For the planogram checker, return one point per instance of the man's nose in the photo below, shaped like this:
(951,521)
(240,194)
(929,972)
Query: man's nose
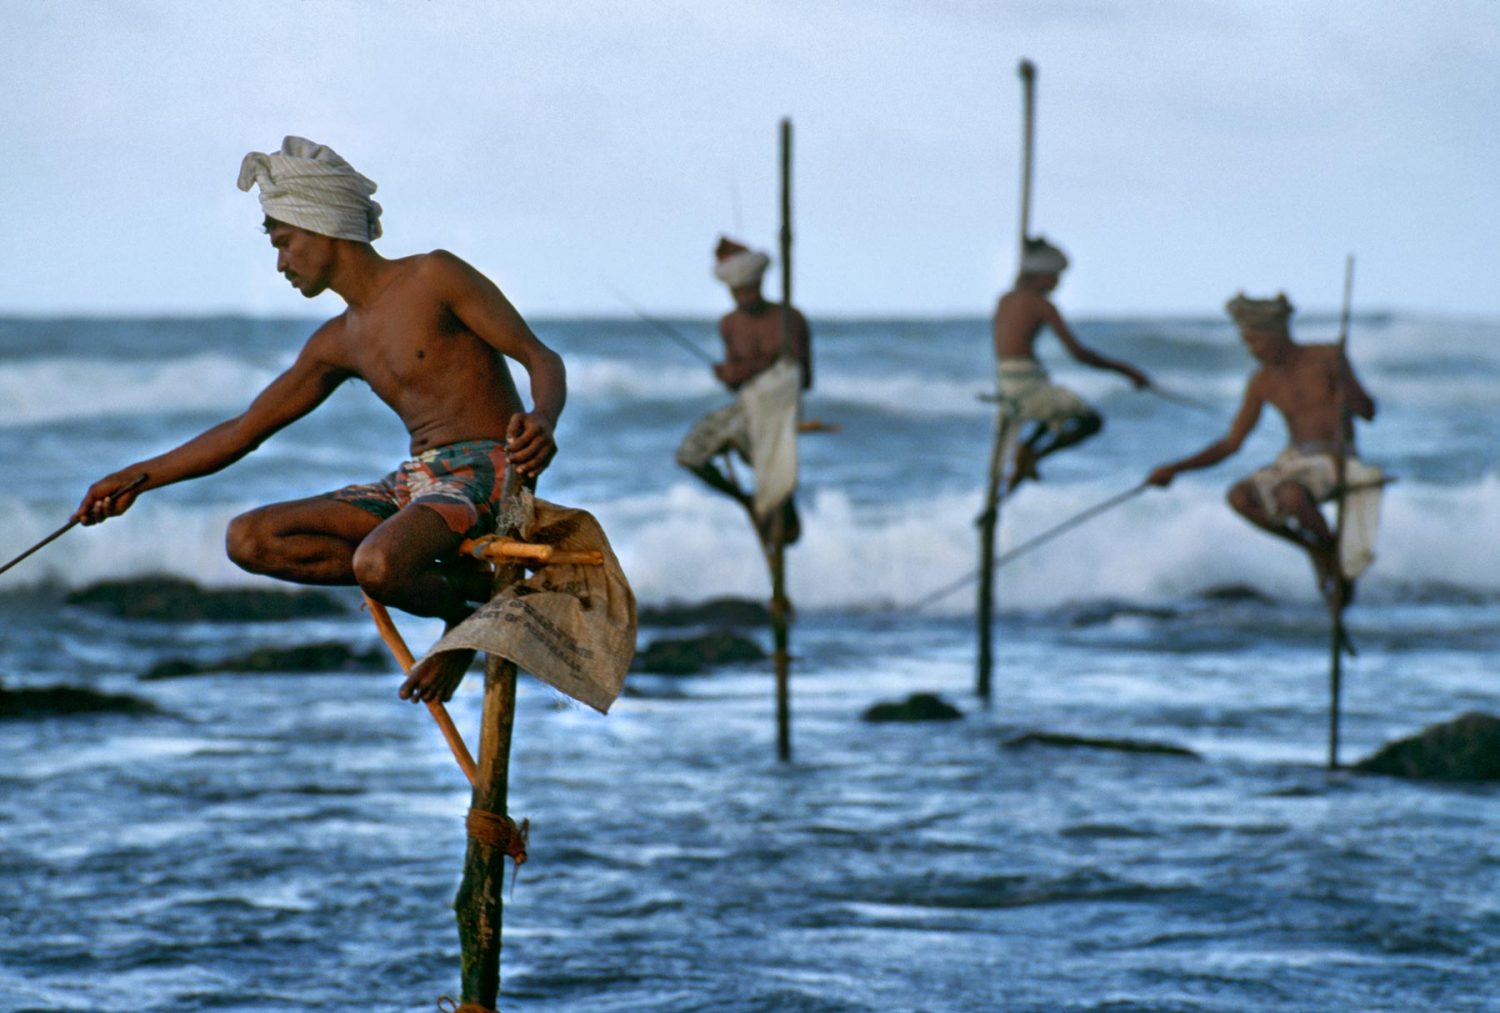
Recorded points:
(281,262)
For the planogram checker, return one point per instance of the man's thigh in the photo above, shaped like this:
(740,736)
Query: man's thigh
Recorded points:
(412,538)
(315,515)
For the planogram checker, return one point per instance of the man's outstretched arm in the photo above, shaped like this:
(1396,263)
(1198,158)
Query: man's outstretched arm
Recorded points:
(483,308)
(1244,422)
(304,386)
(1087,355)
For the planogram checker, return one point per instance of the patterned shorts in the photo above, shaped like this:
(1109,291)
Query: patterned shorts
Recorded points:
(461,481)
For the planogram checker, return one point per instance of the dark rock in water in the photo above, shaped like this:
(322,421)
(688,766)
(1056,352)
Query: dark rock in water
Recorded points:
(1464,749)
(694,654)
(1236,592)
(917,707)
(174,600)
(55,701)
(714,612)
(1088,742)
(326,657)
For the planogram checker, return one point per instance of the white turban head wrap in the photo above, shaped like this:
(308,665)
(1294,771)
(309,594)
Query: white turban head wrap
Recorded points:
(737,266)
(1040,257)
(308,185)
(1260,314)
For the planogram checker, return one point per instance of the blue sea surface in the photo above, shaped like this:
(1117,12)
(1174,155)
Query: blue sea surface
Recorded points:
(282,842)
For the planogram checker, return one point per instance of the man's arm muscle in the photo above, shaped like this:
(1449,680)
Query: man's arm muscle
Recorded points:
(480,305)
(297,391)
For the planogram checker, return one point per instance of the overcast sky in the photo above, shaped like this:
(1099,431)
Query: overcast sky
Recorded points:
(1185,148)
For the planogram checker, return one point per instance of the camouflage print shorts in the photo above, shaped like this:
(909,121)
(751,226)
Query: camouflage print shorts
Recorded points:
(462,482)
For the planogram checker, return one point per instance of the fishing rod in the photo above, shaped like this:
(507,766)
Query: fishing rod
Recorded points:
(1032,543)
(76,519)
(662,326)
(1173,396)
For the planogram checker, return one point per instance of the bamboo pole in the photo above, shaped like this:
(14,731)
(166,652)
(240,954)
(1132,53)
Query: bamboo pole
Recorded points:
(989,517)
(776,553)
(403,655)
(1337,600)
(479,905)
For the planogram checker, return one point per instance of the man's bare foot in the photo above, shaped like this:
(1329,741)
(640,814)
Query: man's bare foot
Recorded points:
(1025,468)
(436,678)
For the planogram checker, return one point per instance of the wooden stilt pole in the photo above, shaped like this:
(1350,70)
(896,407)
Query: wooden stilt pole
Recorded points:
(1339,598)
(776,552)
(989,517)
(492,835)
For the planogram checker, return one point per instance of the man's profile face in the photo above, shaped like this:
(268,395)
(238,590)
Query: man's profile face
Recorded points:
(304,258)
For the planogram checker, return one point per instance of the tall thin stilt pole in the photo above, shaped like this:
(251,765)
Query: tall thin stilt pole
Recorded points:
(989,517)
(777,551)
(1337,600)
(480,902)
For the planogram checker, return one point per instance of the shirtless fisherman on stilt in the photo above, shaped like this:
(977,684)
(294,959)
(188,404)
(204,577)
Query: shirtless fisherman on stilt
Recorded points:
(429,334)
(752,343)
(1059,418)
(1317,393)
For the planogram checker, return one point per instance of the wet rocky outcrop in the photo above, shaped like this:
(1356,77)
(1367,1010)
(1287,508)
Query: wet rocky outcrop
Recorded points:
(713,612)
(1236,593)
(171,599)
(1466,748)
(694,655)
(63,701)
(1060,740)
(917,707)
(322,657)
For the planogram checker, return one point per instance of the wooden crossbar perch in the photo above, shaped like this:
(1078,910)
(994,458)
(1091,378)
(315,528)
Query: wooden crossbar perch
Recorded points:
(818,426)
(403,655)
(502,549)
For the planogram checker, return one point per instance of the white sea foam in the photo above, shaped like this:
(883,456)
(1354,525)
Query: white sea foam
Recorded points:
(688,544)
(39,391)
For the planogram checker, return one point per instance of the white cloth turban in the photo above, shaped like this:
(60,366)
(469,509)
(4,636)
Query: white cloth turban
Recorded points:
(741,269)
(1260,314)
(308,185)
(1041,257)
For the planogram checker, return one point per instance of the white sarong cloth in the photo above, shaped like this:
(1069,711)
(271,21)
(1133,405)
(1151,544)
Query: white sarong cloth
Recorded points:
(1316,470)
(771,400)
(308,185)
(1027,393)
(573,627)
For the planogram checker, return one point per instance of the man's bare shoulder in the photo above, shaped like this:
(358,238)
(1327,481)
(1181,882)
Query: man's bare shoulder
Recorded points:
(329,342)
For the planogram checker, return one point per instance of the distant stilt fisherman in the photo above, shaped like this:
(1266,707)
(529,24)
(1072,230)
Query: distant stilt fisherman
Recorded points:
(430,335)
(752,368)
(1315,389)
(1057,417)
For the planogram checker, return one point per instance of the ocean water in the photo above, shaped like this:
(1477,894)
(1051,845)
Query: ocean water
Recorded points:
(293,842)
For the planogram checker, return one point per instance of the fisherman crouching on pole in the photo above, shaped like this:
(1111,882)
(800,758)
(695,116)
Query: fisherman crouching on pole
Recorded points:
(1315,389)
(753,343)
(1058,417)
(429,334)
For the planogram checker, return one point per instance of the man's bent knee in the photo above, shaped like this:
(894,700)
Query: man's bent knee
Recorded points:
(375,572)
(1291,499)
(1244,499)
(249,541)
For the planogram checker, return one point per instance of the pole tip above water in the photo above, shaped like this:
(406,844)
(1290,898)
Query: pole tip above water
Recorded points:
(1027,69)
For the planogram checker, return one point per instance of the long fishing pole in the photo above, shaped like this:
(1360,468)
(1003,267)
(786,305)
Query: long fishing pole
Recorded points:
(662,326)
(1173,396)
(133,484)
(1034,542)
(1337,637)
